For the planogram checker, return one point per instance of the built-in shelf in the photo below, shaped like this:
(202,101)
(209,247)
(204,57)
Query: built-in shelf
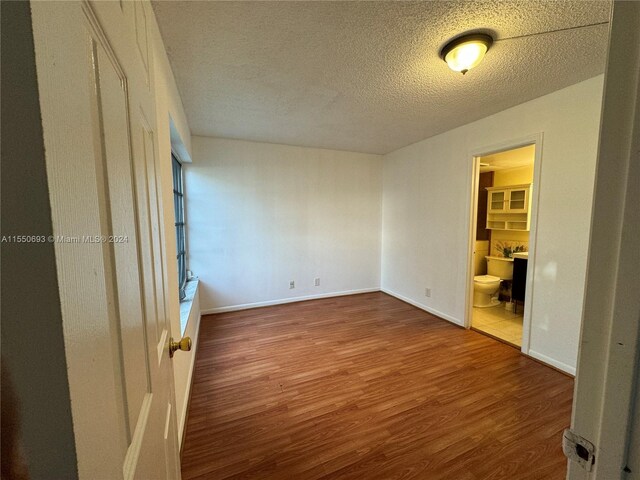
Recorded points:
(508,208)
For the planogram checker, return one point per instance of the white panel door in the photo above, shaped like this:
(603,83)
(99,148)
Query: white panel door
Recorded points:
(93,65)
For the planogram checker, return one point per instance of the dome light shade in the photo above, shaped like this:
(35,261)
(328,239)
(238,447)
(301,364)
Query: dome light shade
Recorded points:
(466,52)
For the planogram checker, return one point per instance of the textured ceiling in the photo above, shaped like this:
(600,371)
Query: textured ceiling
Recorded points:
(366,76)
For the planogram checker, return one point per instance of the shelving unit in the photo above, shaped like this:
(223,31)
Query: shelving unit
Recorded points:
(508,208)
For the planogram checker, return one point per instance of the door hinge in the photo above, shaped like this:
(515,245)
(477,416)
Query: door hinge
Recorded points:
(578,449)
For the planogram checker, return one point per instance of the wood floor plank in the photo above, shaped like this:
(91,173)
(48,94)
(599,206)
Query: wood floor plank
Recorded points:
(368,387)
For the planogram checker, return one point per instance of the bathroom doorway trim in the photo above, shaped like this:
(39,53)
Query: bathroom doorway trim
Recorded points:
(474,175)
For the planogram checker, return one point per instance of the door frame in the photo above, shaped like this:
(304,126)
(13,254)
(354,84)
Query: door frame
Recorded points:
(535,139)
(609,355)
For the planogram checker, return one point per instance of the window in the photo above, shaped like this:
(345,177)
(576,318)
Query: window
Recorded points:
(178,206)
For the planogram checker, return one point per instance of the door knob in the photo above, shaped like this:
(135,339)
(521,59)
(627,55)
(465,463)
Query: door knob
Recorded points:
(184,344)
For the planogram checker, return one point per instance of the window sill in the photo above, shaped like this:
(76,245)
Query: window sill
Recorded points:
(187,302)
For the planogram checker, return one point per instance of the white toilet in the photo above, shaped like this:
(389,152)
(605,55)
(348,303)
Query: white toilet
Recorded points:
(485,287)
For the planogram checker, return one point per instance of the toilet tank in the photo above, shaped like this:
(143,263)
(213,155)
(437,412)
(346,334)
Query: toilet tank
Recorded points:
(500,267)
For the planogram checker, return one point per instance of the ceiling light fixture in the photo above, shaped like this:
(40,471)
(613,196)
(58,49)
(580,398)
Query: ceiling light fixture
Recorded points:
(465,52)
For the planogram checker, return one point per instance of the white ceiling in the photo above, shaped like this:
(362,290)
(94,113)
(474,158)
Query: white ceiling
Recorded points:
(518,157)
(366,76)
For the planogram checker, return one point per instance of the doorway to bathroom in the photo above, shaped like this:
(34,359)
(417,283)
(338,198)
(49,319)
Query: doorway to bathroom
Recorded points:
(502,241)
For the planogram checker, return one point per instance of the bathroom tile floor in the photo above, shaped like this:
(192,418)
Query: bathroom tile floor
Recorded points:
(499,322)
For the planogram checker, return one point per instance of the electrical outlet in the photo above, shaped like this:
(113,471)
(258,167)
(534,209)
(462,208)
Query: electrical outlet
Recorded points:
(316,281)
(292,284)
(427,292)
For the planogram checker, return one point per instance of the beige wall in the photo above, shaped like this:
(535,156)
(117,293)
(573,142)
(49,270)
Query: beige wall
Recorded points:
(513,176)
(480,251)
(507,237)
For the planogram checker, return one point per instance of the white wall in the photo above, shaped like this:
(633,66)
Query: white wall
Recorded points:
(426,214)
(172,131)
(168,108)
(184,363)
(259,215)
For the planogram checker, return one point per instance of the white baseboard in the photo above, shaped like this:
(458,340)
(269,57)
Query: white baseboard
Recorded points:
(433,311)
(554,363)
(246,306)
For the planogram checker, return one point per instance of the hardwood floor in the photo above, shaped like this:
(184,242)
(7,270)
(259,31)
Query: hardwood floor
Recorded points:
(368,387)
